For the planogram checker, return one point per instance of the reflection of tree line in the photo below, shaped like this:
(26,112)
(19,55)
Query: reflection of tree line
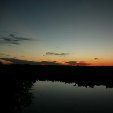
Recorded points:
(81,82)
(18,79)
(82,76)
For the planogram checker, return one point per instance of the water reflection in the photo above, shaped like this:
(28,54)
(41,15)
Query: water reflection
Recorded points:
(59,97)
(26,95)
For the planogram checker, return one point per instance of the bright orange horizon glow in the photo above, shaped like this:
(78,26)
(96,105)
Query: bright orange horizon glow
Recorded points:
(64,62)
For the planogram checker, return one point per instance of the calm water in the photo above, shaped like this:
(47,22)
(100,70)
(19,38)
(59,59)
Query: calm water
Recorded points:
(60,97)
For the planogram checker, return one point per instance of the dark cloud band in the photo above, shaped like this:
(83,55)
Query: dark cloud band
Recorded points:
(53,53)
(19,61)
(12,39)
(75,63)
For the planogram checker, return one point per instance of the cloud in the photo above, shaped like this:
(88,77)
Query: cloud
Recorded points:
(5,62)
(75,63)
(1,54)
(49,63)
(59,54)
(18,38)
(96,58)
(83,63)
(19,61)
(71,62)
(4,55)
(12,39)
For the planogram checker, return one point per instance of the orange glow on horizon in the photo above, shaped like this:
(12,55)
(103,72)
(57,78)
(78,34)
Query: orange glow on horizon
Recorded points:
(64,62)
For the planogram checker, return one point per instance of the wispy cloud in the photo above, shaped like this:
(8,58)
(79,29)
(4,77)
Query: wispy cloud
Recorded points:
(71,62)
(12,39)
(4,55)
(59,54)
(2,61)
(19,61)
(76,63)
(96,58)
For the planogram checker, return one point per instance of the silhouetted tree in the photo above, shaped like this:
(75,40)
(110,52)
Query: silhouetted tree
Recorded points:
(0,63)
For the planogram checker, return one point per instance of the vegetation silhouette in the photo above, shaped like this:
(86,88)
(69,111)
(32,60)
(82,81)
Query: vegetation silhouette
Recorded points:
(16,92)
(81,75)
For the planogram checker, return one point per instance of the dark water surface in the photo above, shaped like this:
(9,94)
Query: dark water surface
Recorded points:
(60,97)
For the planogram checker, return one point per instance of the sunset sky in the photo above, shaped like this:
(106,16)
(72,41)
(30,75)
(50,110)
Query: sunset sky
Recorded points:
(75,32)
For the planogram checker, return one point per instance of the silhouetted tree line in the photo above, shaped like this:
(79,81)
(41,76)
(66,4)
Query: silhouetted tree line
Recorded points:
(81,75)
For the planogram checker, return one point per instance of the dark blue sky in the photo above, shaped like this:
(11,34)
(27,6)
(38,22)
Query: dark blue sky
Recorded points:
(81,28)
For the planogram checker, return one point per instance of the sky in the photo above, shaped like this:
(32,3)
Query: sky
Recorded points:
(74,32)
